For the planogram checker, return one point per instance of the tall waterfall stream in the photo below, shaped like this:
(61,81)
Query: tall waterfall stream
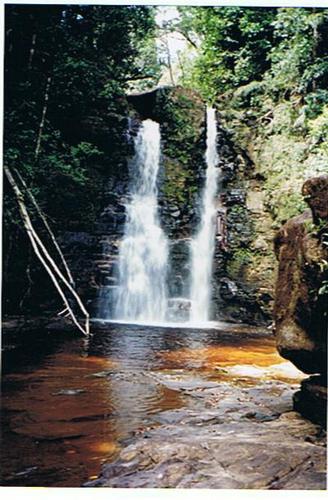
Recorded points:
(203,245)
(143,252)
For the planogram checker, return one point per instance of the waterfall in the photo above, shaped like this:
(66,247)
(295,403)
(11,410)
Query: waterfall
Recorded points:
(143,255)
(203,245)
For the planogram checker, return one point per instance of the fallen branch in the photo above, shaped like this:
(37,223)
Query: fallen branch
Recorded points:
(37,246)
(45,222)
(62,312)
(62,277)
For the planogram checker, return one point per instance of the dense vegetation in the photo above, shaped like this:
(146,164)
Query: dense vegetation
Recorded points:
(267,70)
(67,68)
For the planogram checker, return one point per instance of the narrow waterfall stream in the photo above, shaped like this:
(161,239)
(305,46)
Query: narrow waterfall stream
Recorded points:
(143,255)
(203,245)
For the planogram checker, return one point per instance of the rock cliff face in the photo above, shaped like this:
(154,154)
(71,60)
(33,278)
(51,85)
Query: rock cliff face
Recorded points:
(181,115)
(243,293)
(301,295)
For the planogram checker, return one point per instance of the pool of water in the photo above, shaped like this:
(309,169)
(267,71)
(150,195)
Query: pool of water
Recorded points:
(68,404)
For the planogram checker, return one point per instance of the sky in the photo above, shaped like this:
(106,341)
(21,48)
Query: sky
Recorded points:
(175,41)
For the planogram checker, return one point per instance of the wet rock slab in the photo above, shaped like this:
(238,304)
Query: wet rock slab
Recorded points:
(231,436)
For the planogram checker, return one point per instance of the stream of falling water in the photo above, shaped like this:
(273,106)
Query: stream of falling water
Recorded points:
(203,245)
(143,256)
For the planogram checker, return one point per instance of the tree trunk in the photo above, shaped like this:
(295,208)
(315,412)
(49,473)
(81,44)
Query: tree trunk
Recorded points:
(29,281)
(169,63)
(6,258)
(316,40)
(181,66)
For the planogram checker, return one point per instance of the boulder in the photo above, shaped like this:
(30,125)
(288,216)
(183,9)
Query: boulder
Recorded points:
(300,323)
(300,311)
(315,192)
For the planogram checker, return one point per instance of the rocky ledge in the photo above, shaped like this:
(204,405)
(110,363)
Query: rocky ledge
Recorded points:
(301,297)
(230,435)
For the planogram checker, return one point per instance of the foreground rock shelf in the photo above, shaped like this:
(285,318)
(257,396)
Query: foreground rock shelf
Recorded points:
(231,435)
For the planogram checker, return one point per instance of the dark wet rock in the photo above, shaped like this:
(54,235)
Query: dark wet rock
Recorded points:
(228,289)
(175,214)
(315,192)
(311,400)
(261,417)
(145,103)
(301,323)
(179,269)
(185,416)
(235,196)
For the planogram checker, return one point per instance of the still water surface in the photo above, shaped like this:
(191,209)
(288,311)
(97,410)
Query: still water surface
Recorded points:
(68,406)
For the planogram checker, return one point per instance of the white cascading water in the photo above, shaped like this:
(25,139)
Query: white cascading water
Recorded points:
(203,245)
(143,256)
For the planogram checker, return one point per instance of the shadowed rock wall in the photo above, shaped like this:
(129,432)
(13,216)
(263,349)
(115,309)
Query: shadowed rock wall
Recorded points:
(301,304)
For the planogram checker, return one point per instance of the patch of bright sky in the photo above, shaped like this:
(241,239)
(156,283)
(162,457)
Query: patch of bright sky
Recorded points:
(165,14)
(176,42)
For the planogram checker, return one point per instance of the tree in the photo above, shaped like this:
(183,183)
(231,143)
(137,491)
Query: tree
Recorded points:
(234,47)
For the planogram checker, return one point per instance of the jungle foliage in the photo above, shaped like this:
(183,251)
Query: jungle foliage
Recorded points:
(67,69)
(267,71)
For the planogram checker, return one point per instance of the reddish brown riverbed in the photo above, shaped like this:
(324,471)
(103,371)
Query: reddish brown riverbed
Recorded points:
(68,406)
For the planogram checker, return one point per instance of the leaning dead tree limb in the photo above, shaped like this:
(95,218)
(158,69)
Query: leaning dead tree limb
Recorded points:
(45,222)
(39,248)
(62,277)
(43,118)
(59,273)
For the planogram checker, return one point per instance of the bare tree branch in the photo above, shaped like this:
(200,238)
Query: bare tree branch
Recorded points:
(45,222)
(39,248)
